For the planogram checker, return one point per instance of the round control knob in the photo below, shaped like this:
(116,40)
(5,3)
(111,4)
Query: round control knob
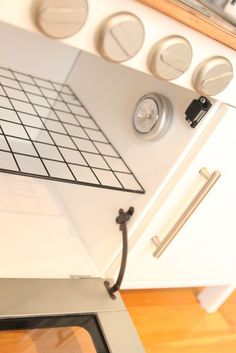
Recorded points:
(120,37)
(170,57)
(213,76)
(61,18)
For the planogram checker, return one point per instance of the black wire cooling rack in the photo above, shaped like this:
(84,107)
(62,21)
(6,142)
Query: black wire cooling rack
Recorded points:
(46,132)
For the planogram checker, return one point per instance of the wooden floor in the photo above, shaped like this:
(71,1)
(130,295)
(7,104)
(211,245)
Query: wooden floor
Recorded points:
(172,321)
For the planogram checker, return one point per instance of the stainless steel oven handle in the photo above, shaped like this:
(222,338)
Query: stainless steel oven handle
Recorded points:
(211,179)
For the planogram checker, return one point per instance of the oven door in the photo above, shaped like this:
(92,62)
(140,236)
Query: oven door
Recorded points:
(63,315)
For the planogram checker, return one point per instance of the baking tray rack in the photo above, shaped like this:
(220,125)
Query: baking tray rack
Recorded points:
(46,132)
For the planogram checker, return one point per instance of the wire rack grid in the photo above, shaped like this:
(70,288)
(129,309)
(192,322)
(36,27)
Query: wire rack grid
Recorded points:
(46,132)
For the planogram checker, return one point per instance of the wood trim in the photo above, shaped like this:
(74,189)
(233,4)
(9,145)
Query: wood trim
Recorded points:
(214,27)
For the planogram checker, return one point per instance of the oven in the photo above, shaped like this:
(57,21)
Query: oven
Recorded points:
(70,315)
(87,146)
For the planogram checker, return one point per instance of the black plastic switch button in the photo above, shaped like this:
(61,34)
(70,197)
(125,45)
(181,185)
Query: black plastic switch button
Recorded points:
(197,110)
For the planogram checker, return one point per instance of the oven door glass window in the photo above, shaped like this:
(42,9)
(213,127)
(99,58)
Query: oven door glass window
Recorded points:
(58,334)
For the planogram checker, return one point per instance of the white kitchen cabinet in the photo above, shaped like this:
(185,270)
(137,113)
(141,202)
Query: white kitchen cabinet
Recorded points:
(57,230)
(68,228)
(203,251)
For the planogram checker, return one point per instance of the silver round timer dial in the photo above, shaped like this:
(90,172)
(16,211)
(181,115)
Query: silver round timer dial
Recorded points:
(151,116)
